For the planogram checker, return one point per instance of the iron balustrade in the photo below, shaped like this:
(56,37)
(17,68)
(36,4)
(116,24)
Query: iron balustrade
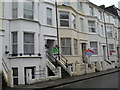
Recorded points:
(5,66)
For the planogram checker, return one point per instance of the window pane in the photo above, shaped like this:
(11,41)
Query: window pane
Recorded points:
(14,43)
(49,16)
(28,5)
(15,81)
(14,34)
(66,46)
(62,42)
(68,42)
(15,49)
(81,24)
(28,38)
(28,43)
(94,46)
(14,9)
(28,9)
(64,15)
(15,71)
(91,11)
(28,14)
(64,23)
(28,49)
(91,25)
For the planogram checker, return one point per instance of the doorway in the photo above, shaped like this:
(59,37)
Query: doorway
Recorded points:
(84,46)
(50,46)
(15,76)
(27,74)
(104,52)
(118,52)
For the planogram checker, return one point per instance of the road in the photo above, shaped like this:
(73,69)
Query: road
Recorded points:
(106,81)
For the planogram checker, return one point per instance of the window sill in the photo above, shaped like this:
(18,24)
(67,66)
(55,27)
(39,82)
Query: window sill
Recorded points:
(25,56)
(92,33)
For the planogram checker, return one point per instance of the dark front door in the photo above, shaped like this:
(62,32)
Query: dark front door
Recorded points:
(104,52)
(83,51)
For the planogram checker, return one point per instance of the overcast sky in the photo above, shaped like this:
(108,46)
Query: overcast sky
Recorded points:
(105,2)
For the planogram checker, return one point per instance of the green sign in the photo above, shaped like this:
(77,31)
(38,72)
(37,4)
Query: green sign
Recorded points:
(55,51)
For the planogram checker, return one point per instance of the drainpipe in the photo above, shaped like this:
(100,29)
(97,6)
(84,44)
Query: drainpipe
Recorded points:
(106,34)
(57,30)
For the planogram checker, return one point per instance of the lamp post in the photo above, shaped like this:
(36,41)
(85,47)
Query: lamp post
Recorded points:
(57,30)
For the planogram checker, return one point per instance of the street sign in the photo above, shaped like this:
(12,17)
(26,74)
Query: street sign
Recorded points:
(112,53)
(88,52)
(55,50)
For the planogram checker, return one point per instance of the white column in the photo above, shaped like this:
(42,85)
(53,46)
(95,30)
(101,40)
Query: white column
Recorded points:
(36,43)
(20,42)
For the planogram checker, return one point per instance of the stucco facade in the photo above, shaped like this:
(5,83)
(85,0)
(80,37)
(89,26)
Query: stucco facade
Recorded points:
(85,37)
(43,34)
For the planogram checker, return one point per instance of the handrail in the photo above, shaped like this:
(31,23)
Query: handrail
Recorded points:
(5,65)
(65,60)
(51,57)
(107,62)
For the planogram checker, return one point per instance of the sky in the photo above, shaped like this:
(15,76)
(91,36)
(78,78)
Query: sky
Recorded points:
(105,2)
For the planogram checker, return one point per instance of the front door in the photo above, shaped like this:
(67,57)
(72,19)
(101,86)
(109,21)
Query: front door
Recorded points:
(29,73)
(104,52)
(83,51)
(118,52)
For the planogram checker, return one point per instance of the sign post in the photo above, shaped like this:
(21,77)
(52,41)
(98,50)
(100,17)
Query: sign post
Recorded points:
(88,53)
(55,50)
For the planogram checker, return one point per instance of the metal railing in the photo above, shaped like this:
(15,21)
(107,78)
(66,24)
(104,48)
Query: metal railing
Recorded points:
(5,66)
(51,58)
(64,60)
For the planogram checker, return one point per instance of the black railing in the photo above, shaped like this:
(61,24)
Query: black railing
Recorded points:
(64,60)
(52,59)
(4,65)
(107,62)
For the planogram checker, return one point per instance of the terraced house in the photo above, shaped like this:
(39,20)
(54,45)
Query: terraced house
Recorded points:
(30,35)
(45,40)
(84,25)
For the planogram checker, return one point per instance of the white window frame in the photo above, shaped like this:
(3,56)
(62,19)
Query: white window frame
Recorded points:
(29,44)
(66,47)
(49,15)
(109,31)
(81,25)
(111,47)
(102,30)
(95,49)
(91,11)
(100,15)
(14,9)
(91,27)
(26,10)
(66,20)
(14,43)
(75,46)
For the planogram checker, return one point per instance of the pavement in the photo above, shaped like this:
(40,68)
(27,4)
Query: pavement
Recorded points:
(68,80)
